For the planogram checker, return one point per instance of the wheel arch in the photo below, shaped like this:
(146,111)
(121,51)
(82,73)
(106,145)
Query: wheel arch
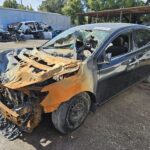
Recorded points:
(93,100)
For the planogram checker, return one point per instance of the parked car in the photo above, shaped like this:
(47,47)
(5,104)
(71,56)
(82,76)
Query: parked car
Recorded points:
(70,75)
(4,35)
(38,30)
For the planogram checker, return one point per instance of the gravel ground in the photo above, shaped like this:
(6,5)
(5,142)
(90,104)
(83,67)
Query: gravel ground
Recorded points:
(121,124)
(13,45)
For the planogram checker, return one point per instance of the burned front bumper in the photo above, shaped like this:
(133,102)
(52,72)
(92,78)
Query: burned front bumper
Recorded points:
(10,114)
(18,113)
(8,121)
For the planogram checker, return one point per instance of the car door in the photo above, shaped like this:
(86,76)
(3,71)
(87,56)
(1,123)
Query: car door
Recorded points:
(116,75)
(142,53)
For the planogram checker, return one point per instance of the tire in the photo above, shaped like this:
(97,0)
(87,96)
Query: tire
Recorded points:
(70,115)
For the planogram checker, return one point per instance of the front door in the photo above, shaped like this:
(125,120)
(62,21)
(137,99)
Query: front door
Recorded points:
(116,75)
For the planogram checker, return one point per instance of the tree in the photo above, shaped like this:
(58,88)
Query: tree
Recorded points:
(10,4)
(22,7)
(71,8)
(52,5)
(97,5)
(15,5)
(29,7)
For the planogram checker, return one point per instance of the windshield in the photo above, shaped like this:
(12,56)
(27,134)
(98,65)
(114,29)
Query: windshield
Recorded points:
(77,42)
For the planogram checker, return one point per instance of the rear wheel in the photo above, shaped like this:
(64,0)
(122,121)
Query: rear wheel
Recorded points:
(70,115)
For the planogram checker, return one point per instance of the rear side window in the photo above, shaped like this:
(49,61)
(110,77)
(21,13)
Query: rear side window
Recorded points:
(142,38)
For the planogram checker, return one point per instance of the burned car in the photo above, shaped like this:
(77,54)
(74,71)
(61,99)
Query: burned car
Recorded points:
(4,35)
(38,30)
(70,75)
(13,26)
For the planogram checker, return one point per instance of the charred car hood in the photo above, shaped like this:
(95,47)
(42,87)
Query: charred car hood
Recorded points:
(23,67)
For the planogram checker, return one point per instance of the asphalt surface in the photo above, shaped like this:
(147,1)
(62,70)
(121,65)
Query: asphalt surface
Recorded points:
(123,123)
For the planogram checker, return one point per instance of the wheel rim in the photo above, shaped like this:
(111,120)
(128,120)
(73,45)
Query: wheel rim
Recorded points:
(76,114)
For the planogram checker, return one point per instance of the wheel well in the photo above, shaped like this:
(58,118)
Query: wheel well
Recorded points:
(93,100)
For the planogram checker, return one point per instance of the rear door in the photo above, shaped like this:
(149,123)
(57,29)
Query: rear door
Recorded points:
(142,53)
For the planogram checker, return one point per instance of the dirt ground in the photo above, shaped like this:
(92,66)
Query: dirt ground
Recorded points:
(13,45)
(121,124)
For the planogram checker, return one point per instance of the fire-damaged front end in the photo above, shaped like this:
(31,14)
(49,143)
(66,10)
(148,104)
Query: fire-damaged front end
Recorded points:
(24,74)
(33,81)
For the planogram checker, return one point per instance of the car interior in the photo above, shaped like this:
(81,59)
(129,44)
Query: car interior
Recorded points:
(90,44)
(86,48)
(119,45)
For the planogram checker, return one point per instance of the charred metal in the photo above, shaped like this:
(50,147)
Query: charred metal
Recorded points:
(24,73)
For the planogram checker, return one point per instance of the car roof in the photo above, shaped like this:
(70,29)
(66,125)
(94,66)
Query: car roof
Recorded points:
(28,21)
(108,26)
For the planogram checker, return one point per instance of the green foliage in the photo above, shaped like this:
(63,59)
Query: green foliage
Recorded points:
(22,7)
(71,8)
(10,4)
(15,5)
(52,5)
(30,8)
(98,5)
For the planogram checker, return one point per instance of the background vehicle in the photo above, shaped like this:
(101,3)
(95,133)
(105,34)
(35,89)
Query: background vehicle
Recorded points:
(70,75)
(12,27)
(38,30)
(4,36)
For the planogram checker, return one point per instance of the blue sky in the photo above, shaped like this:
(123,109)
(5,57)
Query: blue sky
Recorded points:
(34,3)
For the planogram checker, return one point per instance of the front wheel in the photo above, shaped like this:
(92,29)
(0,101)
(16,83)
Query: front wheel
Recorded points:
(70,115)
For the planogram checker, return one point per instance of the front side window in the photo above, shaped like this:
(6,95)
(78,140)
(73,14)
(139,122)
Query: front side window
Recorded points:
(120,45)
(141,38)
